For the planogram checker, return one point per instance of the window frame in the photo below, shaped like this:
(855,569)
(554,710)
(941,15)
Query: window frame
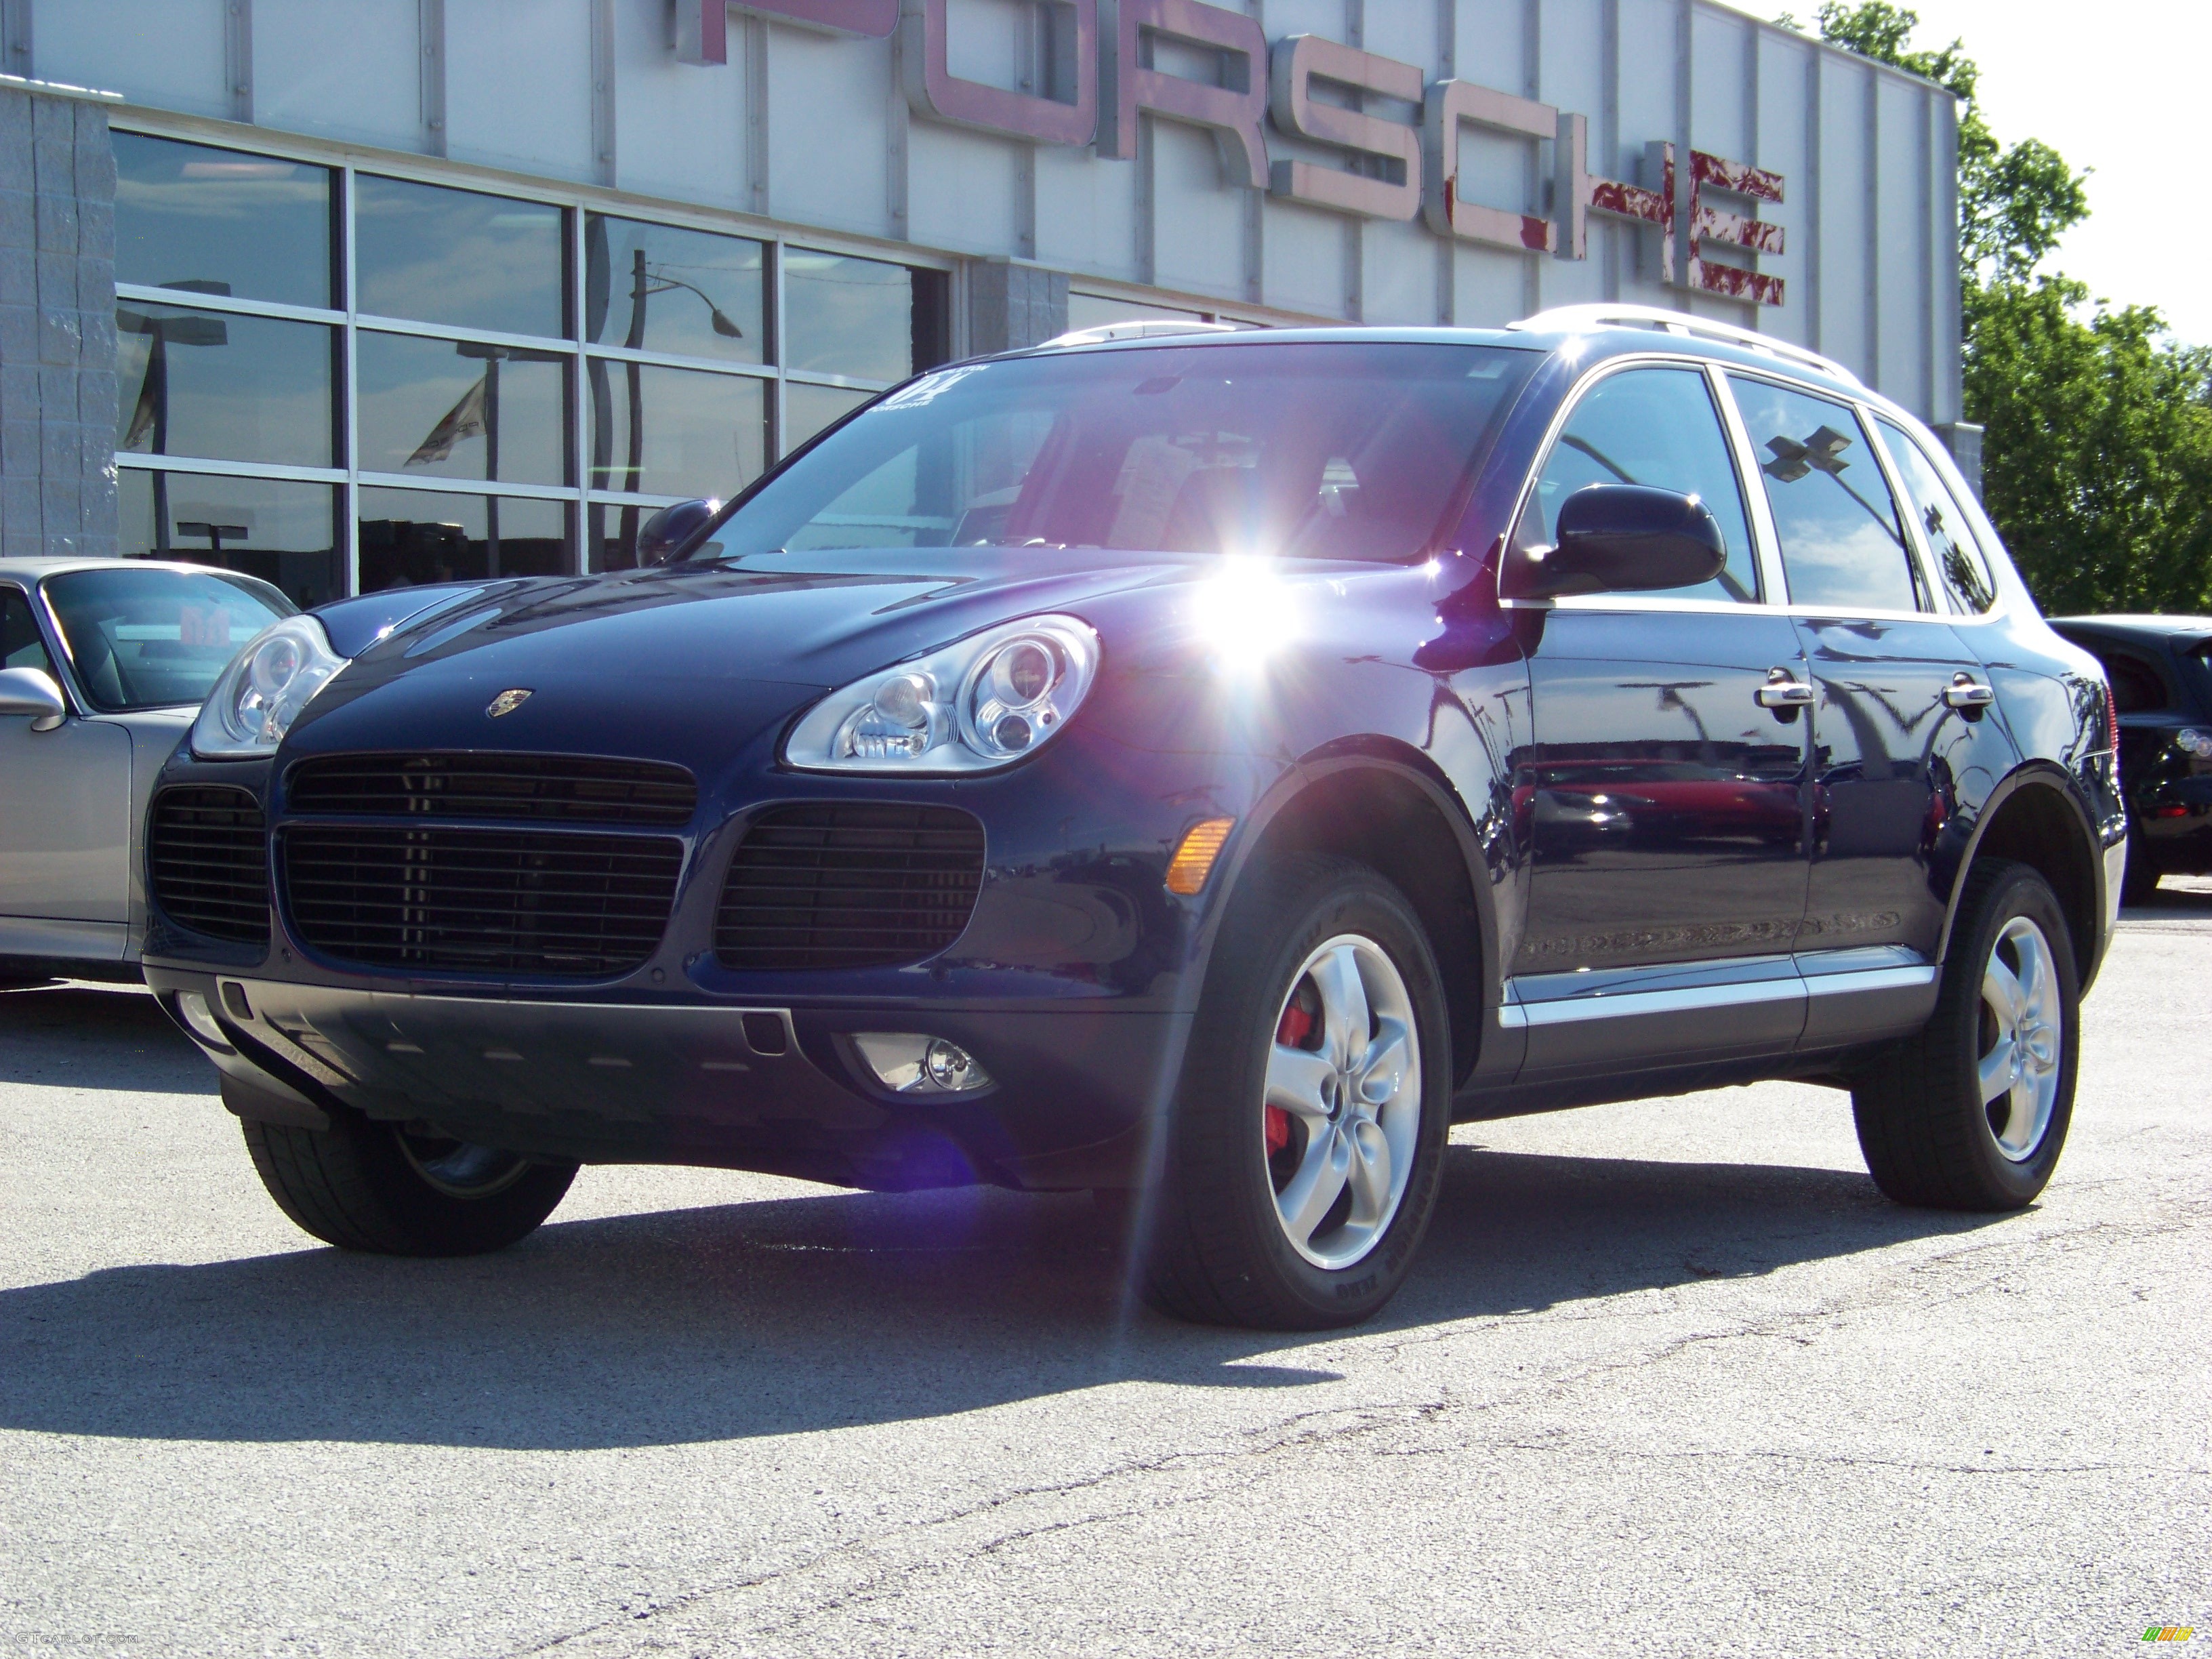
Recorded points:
(1864,411)
(1766,554)
(346,162)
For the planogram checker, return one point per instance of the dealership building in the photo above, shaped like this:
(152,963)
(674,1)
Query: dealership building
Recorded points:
(392,291)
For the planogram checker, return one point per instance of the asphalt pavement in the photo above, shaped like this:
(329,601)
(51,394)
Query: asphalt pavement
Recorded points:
(1671,1378)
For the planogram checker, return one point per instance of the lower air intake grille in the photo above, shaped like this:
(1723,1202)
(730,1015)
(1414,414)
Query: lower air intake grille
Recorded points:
(849,884)
(481,901)
(208,856)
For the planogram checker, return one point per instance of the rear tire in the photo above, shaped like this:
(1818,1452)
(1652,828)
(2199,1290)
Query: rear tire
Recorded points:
(1972,1112)
(1304,1214)
(366,1185)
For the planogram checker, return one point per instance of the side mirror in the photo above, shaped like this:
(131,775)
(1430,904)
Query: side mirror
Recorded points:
(32,691)
(1623,538)
(670,528)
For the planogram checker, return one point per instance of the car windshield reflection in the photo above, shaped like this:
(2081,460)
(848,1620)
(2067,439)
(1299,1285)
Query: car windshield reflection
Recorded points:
(155,638)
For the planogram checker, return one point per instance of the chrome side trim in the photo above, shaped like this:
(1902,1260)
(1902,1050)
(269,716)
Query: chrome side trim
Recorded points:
(1534,999)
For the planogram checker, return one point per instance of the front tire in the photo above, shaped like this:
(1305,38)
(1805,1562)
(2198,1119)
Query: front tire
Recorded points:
(1302,1161)
(370,1186)
(1971,1112)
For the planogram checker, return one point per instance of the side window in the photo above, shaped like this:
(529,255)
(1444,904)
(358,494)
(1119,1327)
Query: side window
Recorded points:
(1658,426)
(1842,542)
(21,645)
(2137,688)
(1958,562)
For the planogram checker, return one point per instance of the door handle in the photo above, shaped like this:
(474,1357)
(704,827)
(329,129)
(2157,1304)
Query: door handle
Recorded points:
(1783,689)
(1964,691)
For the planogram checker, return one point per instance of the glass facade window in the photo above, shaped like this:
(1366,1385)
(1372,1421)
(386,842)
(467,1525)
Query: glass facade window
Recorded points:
(283,532)
(808,409)
(412,536)
(861,318)
(681,293)
(220,222)
(460,409)
(674,431)
(221,387)
(509,386)
(436,255)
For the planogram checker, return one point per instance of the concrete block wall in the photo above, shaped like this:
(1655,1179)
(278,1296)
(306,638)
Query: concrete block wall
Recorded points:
(1012,305)
(57,363)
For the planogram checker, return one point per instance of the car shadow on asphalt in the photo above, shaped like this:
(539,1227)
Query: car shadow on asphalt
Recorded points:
(779,1315)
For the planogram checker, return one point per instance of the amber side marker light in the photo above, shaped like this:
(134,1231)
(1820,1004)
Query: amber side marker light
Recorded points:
(1193,860)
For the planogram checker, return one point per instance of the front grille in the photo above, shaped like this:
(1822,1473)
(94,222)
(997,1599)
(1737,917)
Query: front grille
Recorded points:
(849,884)
(568,788)
(207,855)
(480,901)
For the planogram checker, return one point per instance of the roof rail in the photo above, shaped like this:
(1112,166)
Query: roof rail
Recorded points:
(1567,319)
(1137,328)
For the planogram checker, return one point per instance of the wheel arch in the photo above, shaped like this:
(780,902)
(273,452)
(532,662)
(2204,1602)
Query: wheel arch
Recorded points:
(2034,818)
(1385,804)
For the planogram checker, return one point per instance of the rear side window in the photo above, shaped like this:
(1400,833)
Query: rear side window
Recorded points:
(2137,688)
(1656,427)
(1842,545)
(21,645)
(1960,565)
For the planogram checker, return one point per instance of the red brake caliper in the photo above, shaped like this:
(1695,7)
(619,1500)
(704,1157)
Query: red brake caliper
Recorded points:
(1297,1026)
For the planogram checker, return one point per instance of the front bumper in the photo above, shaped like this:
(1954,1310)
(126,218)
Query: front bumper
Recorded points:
(776,1088)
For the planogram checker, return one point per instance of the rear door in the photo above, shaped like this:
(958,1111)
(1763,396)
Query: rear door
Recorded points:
(1662,797)
(1897,734)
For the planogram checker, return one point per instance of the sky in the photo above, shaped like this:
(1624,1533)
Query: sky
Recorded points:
(2120,86)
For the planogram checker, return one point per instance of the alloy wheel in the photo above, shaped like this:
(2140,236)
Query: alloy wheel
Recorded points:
(1343,1106)
(2022,1038)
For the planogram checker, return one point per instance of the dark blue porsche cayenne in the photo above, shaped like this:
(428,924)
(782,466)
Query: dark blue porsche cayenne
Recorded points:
(1196,766)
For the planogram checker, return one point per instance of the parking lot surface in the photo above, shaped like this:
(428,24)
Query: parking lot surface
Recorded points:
(1671,1378)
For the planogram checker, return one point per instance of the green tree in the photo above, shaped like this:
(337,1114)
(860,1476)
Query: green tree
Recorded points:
(2097,457)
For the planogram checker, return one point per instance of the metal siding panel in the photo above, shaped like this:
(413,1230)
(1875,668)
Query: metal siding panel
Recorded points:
(679,130)
(962,189)
(1492,43)
(1086,214)
(1197,243)
(519,85)
(1490,286)
(1720,113)
(830,138)
(1843,250)
(168,53)
(1303,256)
(1399,278)
(1901,286)
(366,93)
(1783,147)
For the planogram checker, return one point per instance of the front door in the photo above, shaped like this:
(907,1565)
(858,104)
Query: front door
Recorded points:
(65,816)
(1662,797)
(1896,735)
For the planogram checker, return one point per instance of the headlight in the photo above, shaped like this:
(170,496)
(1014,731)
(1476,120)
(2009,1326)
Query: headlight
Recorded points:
(263,689)
(982,704)
(2193,742)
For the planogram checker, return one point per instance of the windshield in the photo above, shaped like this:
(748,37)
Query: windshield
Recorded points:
(152,639)
(1329,450)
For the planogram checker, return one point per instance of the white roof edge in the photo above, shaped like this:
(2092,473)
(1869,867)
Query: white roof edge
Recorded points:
(1137,328)
(1570,320)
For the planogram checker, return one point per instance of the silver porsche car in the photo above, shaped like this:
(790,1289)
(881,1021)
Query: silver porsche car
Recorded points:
(103,663)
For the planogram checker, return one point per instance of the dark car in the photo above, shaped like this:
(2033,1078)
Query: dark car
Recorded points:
(2160,669)
(1164,766)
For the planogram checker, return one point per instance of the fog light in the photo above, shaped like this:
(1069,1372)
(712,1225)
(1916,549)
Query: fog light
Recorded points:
(199,1019)
(912,1064)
